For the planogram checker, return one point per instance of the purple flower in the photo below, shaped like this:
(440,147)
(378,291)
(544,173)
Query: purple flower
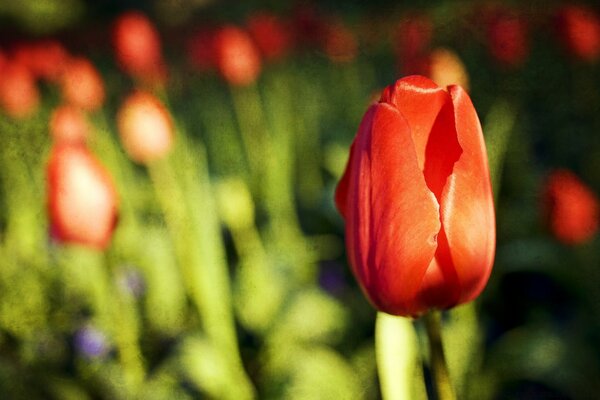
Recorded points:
(90,342)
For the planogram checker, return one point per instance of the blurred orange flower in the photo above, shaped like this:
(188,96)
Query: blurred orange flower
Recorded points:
(68,124)
(237,57)
(571,207)
(446,68)
(82,199)
(145,127)
(82,85)
(19,94)
(137,47)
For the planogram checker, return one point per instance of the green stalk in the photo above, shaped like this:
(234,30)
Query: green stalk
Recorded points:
(396,348)
(437,360)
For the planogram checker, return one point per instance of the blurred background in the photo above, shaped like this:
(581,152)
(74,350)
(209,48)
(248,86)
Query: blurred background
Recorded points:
(167,169)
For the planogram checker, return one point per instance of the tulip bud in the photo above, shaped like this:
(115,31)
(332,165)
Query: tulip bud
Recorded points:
(82,200)
(200,50)
(68,124)
(82,85)
(446,68)
(270,35)
(145,127)
(572,209)
(19,95)
(413,38)
(579,30)
(417,200)
(340,43)
(137,46)
(507,38)
(236,56)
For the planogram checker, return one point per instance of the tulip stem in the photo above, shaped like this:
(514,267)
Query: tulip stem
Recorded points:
(437,360)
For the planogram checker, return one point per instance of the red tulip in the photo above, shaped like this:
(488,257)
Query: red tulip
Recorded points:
(82,200)
(340,43)
(68,124)
(145,127)
(200,50)
(413,39)
(19,94)
(507,38)
(270,34)
(45,59)
(82,85)
(572,209)
(236,55)
(579,29)
(417,200)
(137,47)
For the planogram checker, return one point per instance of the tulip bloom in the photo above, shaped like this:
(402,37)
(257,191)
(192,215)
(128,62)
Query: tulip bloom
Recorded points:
(270,34)
(82,85)
(137,47)
(145,127)
(236,56)
(579,30)
(507,38)
(19,94)
(82,199)
(68,124)
(446,68)
(417,200)
(572,209)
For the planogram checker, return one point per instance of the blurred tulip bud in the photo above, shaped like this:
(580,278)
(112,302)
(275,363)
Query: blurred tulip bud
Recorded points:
(579,30)
(68,124)
(137,47)
(45,59)
(417,200)
(82,85)
(309,26)
(507,37)
(571,208)
(19,94)
(413,39)
(270,34)
(145,127)
(340,43)
(236,55)
(446,68)
(235,203)
(82,199)
(201,51)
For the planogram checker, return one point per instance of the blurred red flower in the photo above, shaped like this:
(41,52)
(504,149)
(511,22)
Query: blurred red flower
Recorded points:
(145,127)
(201,51)
(236,55)
(82,85)
(579,30)
(572,209)
(19,94)
(507,37)
(45,59)
(271,35)
(412,44)
(82,199)
(68,125)
(340,43)
(417,200)
(137,47)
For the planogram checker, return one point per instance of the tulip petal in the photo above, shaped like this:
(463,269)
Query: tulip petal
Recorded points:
(467,208)
(392,217)
(419,100)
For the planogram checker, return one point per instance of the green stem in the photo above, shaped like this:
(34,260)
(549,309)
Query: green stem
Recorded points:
(437,360)
(396,349)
